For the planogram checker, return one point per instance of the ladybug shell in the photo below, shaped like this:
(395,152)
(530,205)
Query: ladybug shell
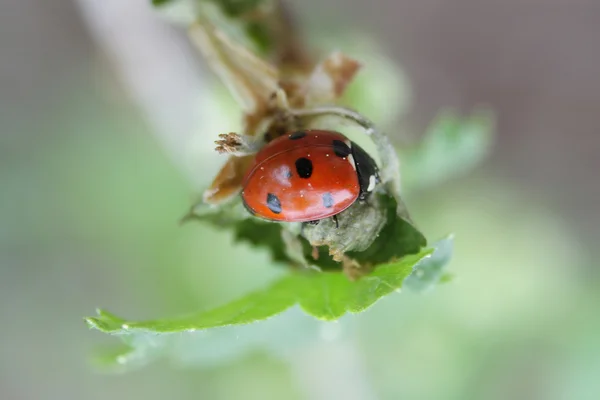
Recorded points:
(302,176)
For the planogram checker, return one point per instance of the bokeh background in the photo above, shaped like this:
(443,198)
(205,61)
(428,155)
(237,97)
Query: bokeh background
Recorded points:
(107,115)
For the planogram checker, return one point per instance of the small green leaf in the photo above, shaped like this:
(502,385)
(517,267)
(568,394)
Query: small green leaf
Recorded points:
(324,295)
(451,146)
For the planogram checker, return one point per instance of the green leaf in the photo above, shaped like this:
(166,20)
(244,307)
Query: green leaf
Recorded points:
(450,147)
(324,295)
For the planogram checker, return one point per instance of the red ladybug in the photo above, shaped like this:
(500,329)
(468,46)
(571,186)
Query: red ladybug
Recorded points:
(306,176)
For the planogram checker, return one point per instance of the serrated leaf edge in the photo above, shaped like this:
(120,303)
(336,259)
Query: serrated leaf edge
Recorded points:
(108,323)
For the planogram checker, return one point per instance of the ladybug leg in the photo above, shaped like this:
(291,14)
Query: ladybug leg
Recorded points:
(238,145)
(335,219)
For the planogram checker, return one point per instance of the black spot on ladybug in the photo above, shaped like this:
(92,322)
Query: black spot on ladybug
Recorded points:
(273,203)
(327,200)
(297,135)
(340,148)
(304,167)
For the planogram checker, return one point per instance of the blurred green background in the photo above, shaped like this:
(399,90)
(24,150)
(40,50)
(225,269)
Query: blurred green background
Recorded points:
(107,119)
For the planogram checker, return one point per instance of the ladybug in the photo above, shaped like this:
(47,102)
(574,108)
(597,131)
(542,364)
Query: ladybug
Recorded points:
(306,176)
